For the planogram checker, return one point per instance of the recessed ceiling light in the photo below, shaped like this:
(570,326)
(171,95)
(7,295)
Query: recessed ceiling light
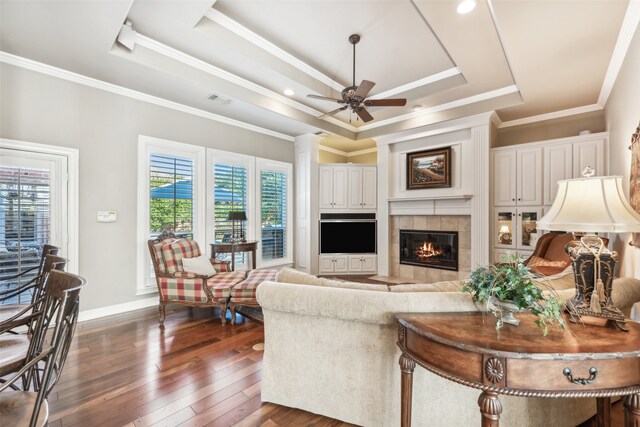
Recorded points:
(417,107)
(289,92)
(466,6)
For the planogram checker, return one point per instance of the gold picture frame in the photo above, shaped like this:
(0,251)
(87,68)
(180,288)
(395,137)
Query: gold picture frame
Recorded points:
(634,180)
(429,169)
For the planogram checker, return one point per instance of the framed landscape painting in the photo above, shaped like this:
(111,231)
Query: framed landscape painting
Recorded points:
(429,169)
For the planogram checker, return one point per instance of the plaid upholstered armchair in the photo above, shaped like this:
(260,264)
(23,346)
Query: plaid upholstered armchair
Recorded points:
(177,286)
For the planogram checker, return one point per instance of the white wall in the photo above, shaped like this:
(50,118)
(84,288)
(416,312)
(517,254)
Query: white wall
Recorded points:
(622,114)
(105,128)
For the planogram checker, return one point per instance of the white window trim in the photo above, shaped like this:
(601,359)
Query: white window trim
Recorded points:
(70,207)
(234,159)
(146,146)
(287,169)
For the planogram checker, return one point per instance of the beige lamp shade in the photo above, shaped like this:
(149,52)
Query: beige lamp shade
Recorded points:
(504,229)
(590,205)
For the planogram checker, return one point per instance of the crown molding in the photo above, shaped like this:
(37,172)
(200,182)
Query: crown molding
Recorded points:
(553,115)
(242,31)
(627,30)
(418,83)
(449,105)
(333,150)
(60,73)
(361,152)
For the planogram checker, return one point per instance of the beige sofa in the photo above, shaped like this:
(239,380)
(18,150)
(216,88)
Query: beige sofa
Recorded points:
(330,348)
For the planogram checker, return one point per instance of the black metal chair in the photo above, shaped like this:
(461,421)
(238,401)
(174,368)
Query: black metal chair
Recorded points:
(28,285)
(45,362)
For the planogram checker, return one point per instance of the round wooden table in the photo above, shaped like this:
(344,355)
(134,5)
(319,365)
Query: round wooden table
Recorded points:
(585,361)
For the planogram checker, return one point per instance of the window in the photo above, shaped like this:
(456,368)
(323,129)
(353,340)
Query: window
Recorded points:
(171,197)
(274,216)
(229,194)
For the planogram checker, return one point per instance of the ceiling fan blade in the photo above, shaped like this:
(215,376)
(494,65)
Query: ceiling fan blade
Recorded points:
(364,114)
(331,113)
(325,98)
(364,89)
(397,102)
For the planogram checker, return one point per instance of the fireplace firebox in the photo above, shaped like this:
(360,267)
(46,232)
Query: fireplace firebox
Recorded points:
(434,249)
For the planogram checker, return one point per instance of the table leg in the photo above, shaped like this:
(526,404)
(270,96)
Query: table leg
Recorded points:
(233,259)
(490,408)
(253,258)
(603,405)
(407,365)
(632,410)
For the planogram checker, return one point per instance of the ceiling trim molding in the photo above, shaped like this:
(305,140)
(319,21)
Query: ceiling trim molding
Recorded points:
(242,31)
(554,115)
(60,73)
(418,83)
(441,107)
(627,30)
(332,150)
(361,152)
(201,65)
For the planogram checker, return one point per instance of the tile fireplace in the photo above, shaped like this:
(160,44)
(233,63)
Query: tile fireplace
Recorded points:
(434,249)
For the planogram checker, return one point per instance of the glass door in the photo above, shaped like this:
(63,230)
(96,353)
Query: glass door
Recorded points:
(527,231)
(32,196)
(504,228)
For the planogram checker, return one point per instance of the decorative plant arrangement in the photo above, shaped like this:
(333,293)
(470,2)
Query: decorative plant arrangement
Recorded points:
(510,287)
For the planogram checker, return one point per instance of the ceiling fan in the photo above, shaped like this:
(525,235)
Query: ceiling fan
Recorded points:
(354,96)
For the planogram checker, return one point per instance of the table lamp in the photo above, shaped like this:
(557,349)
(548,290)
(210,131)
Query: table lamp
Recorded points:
(590,205)
(235,216)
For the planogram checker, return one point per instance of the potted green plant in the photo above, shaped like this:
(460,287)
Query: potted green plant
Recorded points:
(510,287)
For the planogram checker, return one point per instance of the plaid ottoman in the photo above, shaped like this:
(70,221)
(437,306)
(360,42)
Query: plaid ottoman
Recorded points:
(221,284)
(244,293)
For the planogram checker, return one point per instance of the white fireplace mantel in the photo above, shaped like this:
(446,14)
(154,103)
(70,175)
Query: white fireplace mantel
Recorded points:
(451,205)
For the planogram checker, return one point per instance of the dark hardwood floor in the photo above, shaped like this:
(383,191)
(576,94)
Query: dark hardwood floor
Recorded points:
(124,371)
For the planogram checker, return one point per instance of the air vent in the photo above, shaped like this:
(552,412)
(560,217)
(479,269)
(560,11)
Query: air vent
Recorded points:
(219,99)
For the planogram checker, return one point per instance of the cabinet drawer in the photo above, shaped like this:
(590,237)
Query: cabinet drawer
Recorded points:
(548,374)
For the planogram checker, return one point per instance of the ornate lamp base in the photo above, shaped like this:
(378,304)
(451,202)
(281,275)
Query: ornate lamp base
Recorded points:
(593,266)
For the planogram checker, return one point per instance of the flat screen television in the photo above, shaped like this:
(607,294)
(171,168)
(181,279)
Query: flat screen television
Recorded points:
(348,237)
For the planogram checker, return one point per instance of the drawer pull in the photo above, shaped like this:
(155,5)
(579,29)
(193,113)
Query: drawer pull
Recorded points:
(592,372)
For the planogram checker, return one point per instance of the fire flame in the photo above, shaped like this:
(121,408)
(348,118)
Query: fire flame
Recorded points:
(427,251)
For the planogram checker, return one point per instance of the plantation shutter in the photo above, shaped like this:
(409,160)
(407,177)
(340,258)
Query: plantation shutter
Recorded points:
(273,214)
(171,206)
(25,222)
(230,193)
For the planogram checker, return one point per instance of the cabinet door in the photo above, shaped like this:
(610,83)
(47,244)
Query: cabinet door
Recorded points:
(369,187)
(526,220)
(340,191)
(504,228)
(529,178)
(558,165)
(327,264)
(341,264)
(355,263)
(504,178)
(355,187)
(503,255)
(369,263)
(326,188)
(589,153)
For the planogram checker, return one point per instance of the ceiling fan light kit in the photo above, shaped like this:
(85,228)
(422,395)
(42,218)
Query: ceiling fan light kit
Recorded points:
(354,97)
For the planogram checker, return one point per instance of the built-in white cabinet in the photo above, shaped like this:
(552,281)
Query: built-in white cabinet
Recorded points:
(348,187)
(351,264)
(502,255)
(334,264)
(363,187)
(333,187)
(525,181)
(517,177)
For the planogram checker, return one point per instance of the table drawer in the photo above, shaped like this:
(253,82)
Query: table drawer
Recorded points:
(550,374)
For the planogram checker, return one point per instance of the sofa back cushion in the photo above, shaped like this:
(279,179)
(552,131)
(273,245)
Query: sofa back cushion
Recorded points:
(289,275)
(448,286)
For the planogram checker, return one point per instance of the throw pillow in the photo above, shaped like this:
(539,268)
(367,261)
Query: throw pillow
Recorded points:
(536,261)
(198,265)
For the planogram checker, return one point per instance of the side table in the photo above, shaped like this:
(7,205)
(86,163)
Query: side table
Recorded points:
(586,361)
(232,248)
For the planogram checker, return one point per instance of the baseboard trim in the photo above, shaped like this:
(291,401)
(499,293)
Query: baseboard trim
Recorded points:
(110,310)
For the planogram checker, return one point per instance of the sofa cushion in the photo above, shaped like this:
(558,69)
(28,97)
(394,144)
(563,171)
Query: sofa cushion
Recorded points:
(157,253)
(173,253)
(200,265)
(289,275)
(246,290)
(536,261)
(449,286)
(221,284)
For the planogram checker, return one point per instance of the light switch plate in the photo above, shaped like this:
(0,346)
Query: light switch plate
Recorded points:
(107,216)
